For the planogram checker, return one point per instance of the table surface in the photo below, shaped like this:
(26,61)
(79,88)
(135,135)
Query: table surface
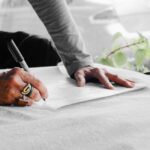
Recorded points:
(120,122)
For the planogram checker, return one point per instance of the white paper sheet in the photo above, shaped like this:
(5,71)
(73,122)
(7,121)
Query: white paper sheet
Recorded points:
(63,90)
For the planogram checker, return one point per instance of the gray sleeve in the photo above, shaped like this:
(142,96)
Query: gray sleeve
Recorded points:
(61,26)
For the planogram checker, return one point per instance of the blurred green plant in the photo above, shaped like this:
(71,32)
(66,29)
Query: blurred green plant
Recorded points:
(117,57)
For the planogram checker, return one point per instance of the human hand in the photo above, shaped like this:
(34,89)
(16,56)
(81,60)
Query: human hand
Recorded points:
(13,82)
(102,75)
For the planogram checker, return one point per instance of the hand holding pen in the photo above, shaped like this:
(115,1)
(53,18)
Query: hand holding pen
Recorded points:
(19,86)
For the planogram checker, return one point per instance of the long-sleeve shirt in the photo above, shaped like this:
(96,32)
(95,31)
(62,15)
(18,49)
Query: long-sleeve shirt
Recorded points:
(60,24)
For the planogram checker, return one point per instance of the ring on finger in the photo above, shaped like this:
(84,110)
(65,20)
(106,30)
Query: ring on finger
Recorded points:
(27,90)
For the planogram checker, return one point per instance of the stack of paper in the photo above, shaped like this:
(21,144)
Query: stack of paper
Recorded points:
(63,90)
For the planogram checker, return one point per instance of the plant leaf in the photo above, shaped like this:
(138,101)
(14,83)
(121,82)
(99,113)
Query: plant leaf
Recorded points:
(116,36)
(120,59)
(144,42)
(106,61)
(140,56)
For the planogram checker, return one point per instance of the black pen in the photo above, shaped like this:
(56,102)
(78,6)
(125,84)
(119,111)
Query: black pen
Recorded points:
(16,54)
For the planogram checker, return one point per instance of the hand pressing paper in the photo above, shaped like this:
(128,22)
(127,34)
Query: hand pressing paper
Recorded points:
(63,90)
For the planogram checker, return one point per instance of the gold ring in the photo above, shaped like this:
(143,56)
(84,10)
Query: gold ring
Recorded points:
(27,90)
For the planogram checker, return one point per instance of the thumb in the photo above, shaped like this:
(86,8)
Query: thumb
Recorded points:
(80,79)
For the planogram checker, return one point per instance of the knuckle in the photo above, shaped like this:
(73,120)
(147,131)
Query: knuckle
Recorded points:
(38,83)
(16,70)
(96,70)
(116,76)
(124,82)
(10,93)
(78,74)
(13,80)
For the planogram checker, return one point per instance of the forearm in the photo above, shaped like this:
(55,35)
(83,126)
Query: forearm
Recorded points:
(59,23)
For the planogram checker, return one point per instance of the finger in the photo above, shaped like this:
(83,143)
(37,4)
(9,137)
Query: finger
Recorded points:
(19,85)
(13,87)
(80,79)
(130,81)
(120,80)
(37,84)
(28,78)
(35,95)
(100,75)
(20,103)
(23,103)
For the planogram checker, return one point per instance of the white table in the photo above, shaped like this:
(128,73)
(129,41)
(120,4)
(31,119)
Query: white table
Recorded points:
(116,123)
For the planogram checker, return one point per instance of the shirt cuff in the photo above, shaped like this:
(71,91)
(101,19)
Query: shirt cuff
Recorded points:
(72,68)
